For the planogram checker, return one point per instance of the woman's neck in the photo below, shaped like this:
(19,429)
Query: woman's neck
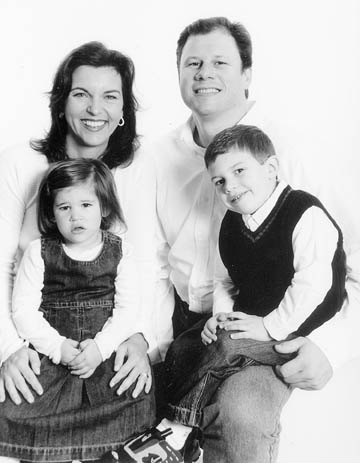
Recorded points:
(76,151)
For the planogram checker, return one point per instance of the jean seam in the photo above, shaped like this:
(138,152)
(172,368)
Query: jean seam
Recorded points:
(272,452)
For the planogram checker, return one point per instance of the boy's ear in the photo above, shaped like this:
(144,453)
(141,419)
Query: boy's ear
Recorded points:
(273,166)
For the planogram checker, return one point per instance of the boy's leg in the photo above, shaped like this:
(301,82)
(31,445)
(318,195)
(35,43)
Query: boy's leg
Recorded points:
(242,422)
(195,371)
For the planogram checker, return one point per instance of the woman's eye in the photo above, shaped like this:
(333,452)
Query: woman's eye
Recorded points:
(111,97)
(79,95)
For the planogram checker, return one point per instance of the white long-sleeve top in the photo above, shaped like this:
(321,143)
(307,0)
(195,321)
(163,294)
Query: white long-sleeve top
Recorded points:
(312,278)
(33,327)
(21,170)
(189,220)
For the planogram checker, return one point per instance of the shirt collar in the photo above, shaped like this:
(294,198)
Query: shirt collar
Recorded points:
(253,221)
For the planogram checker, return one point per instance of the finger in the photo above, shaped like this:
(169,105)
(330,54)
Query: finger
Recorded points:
(128,381)
(231,325)
(241,335)
(205,339)
(140,384)
(80,371)
(32,380)
(288,347)
(13,393)
(148,383)
(291,369)
(88,374)
(2,390)
(119,358)
(34,361)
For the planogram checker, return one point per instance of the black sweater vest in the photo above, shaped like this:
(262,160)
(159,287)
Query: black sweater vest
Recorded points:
(260,263)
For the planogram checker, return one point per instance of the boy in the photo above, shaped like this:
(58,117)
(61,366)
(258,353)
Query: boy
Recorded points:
(282,272)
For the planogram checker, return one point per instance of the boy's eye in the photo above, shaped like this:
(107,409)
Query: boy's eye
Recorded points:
(239,171)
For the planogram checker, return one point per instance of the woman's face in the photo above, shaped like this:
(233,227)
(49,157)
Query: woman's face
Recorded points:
(92,110)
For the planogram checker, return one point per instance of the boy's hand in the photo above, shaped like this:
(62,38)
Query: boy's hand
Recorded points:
(87,361)
(69,350)
(208,334)
(249,327)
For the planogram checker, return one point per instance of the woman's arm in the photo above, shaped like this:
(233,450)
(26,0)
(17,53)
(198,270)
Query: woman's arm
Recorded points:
(20,172)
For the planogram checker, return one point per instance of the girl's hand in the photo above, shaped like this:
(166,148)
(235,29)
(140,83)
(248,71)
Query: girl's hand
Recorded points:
(132,363)
(248,327)
(86,362)
(69,350)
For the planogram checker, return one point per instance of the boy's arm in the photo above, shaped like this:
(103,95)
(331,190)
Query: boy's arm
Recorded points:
(28,319)
(314,243)
(224,288)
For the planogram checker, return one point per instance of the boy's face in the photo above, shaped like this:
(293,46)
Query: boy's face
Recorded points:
(242,183)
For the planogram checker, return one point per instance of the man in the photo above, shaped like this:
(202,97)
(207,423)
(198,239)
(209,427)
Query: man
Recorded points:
(214,64)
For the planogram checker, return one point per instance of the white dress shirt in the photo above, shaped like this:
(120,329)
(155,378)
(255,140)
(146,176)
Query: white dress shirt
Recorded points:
(312,278)
(190,217)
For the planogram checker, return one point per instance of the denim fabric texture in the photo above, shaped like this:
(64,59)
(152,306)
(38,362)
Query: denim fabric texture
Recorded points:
(75,418)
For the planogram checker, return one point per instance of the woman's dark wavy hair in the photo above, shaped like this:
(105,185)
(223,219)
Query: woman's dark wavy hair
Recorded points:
(74,172)
(124,140)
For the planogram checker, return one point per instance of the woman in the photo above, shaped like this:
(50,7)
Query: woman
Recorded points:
(92,115)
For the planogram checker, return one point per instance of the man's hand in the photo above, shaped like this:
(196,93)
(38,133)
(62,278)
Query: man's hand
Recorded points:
(17,373)
(248,326)
(132,363)
(309,370)
(84,364)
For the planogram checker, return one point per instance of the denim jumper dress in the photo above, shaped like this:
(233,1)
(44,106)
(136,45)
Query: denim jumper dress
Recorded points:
(75,419)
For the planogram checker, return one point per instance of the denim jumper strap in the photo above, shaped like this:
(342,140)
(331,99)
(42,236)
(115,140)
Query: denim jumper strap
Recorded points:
(75,419)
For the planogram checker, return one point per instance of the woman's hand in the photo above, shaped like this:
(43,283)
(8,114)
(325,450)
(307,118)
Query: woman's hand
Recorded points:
(86,362)
(132,363)
(17,373)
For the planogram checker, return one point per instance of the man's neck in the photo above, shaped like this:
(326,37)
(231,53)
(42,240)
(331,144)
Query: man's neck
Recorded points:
(206,127)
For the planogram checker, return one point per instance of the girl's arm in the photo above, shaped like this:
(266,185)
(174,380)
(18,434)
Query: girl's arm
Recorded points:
(28,319)
(125,320)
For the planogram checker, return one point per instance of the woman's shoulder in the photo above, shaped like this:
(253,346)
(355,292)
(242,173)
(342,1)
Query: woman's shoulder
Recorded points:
(23,159)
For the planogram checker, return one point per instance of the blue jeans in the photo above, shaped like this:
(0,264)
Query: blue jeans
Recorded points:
(237,408)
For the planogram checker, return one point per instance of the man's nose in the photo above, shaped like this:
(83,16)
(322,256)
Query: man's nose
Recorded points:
(206,71)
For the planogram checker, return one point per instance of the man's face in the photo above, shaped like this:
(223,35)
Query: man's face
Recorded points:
(212,82)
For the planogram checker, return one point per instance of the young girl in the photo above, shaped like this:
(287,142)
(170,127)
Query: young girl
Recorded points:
(75,301)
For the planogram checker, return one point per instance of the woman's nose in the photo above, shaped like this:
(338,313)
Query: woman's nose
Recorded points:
(94,106)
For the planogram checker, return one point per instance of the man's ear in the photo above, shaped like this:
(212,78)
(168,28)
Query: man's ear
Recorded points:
(273,166)
(247,74)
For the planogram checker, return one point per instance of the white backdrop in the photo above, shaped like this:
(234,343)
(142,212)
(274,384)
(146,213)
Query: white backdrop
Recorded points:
(306,71)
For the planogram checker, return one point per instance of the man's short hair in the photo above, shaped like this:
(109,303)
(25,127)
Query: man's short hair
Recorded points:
(207,25)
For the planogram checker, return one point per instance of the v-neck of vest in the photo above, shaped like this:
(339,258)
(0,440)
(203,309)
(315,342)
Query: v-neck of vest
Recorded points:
(262,229)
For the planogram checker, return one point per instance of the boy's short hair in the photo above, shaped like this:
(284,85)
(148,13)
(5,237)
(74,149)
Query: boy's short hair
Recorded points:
(244,137)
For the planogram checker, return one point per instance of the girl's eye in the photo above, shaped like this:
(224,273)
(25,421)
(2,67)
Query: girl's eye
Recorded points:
(64,208)
(239,171)
(219,182)
(219,63)
(86,204)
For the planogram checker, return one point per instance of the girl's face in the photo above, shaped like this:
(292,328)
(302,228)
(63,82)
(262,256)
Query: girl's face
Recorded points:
(93,110)
(77,214)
